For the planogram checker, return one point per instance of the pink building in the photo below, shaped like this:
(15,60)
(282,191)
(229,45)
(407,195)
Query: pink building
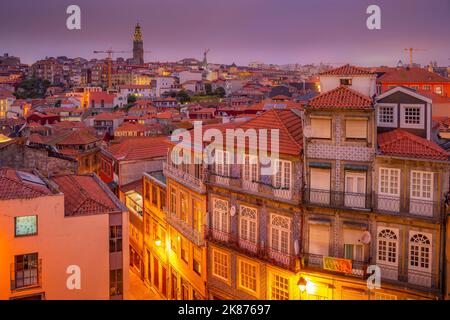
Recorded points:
(63,238)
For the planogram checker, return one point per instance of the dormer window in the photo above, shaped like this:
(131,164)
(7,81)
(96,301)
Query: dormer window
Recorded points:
(387,115)
(412,116)
(346,82)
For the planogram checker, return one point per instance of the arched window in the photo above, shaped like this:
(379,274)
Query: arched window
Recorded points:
(420,246)
(387,246)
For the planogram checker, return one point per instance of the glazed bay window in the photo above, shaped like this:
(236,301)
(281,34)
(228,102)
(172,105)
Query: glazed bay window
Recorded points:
(220,265)
(220,219)
(421,202)
(280,237)
(248,275)
(389,190)
(248,228)
(387,115)
(356,128)
(321,127)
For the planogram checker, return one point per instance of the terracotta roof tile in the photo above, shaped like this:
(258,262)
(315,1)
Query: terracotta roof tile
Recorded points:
(340,98)
(13,187)
(139,148)
(404,144)
(347,70)
(411,75)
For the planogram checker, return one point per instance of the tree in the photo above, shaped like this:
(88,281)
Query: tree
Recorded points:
(183,96)
(220,92)
(58,103)
(208,89)
(32,88)
(131,99)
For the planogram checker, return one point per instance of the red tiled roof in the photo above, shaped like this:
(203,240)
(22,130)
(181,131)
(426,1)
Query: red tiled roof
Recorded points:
(340,98)
(130,126)
(139,148)
(410,75)
(13,187)
(404,144)
(78,137)
(347,70)
(83,195)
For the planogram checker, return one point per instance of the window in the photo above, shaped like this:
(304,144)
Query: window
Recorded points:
(197,215)
(345,82)
(220,215)
(389,181)
(147,224)
(115,282)
(26,270)
(155,196)
(173,240)
(248,275)
(184,250)
(320,179)
(356,128)
(147,191)
(438,90)
(354,252)
(355,182)
(222,163)
(282,178)
(387,115)
(321,128)
(25,226)
(421,185)
(162,200)
(183,207)
(384,296)
(412,116)
(248,224)
(279,287)
(173,201)
(387,247)
(250,168)
(197,260)
(427,88)
(280,233)
(319,239)
(115,238)
(221,265)
(420,247)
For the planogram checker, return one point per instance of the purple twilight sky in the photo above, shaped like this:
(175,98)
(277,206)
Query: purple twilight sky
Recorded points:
(270,31)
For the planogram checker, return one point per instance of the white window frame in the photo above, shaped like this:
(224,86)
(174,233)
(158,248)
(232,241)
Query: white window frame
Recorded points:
(355,175)
(421,248)
(249,223)
(394,122)
(240,278)
(250,169)
(223,222)
(273,286)
(389,181)
(222,163)
(390,243)
(281,179)
(214,263)
(421,185)
(281,231)
(403,124)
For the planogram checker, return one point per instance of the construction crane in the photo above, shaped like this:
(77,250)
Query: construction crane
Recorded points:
(110,53)
(411,51)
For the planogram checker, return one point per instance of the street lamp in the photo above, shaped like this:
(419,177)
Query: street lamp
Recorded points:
(302,284)
(158,242)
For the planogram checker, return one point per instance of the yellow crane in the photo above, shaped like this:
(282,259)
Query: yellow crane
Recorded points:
(411,51)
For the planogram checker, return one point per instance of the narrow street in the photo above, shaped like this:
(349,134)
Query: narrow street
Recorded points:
(139,291)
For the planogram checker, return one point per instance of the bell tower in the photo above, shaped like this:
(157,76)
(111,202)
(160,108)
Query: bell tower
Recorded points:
(138,46)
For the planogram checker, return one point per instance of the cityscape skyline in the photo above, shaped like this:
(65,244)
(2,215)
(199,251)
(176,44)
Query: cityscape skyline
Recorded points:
(239,36)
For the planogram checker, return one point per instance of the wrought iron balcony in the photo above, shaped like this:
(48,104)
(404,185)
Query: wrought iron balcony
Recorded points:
(187,230)
(26,278)
(338,199)
(183,177)
(336,265)
(409,207)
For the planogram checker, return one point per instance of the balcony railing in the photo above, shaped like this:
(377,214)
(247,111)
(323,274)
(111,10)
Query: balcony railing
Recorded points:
(184,177)
(248,245)
(336,265)
(408,206)
(22,279)
(413,279)
(338,199)
(281,258)
(187,230)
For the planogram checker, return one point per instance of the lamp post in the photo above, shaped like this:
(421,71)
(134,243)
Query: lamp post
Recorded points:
(301,283)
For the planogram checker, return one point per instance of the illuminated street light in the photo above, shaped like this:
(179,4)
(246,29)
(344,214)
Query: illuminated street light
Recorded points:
(302,284)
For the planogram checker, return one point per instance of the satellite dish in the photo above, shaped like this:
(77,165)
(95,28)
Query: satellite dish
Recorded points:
(307,131)
(233,211)
(366,237)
